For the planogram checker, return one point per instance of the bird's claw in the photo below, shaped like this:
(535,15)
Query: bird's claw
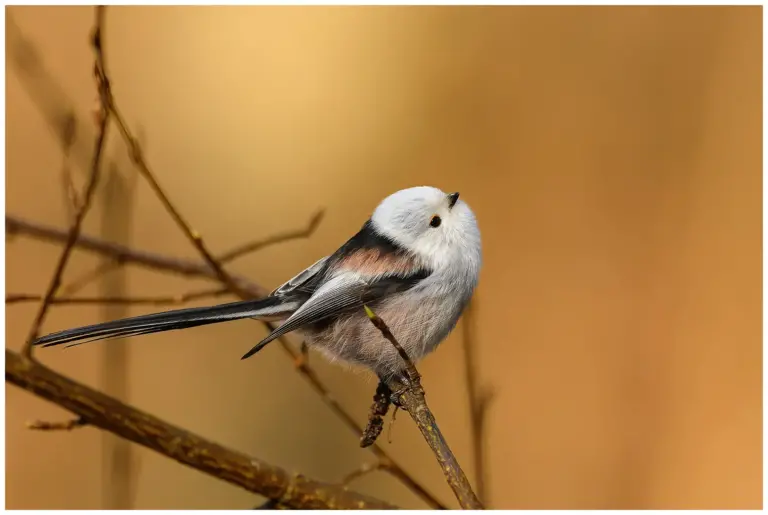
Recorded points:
(394,397)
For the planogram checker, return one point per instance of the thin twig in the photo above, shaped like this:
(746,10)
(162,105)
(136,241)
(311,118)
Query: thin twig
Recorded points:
(107,413)
(152,301)
(254,246)
(411,397)
(126,255)
(410,368)
(479,399)
(68,135)
(85,204)
(192,235)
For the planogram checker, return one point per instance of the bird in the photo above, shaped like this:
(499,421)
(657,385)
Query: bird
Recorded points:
(415,262)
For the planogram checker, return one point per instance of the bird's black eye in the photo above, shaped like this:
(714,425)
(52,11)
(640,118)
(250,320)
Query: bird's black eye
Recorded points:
(435,221)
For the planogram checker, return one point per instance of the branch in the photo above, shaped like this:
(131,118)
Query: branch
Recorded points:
(248,248)
(411,398)
(254,475)
(124,254)
(137,156)
(479,400)
(85,204)
(392,466)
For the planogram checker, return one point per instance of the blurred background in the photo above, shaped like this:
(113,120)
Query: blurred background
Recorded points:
(611,154)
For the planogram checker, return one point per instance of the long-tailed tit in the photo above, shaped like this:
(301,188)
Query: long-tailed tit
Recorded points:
(415,262)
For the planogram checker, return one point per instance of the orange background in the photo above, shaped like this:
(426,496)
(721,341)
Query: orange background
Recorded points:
(613,158)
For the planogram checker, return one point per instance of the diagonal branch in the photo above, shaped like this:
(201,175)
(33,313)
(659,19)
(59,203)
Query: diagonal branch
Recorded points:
(124,254)
(84,205)
(99,410)
(257,245)
(411,397)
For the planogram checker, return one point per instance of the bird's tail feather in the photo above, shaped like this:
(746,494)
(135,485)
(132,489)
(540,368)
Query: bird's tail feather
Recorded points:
(264,309)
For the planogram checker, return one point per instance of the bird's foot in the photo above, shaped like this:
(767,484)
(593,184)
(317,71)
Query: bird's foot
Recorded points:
(407,385)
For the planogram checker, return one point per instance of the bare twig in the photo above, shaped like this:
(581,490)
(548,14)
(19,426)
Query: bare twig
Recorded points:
(84,205)
(479,399)
(254,475)
(126,255)
(411,397)
(254,246)
(153,301)
(68,134)
(192,235)
(410,368)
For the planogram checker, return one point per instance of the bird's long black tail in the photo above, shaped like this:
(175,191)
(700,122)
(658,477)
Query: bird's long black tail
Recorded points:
(264,309)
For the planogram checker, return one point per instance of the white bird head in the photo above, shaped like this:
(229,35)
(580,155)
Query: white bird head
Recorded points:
(438,227)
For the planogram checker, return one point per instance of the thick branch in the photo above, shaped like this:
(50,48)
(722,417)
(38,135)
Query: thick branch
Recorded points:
(102,411)
(411,398)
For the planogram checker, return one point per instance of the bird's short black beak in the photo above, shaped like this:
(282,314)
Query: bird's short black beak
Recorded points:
(452,198)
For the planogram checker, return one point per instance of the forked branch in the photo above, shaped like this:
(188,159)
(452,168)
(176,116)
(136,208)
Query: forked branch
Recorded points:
(411,398)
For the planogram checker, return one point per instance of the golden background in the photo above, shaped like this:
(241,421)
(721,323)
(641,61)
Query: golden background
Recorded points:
(612,156)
